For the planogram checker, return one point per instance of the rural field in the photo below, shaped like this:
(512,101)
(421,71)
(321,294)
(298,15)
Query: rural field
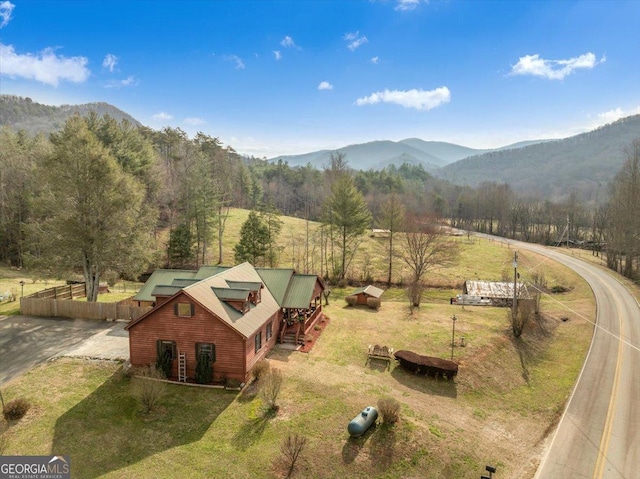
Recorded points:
(498,410)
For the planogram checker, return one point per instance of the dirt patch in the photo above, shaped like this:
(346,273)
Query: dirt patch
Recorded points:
(313,335)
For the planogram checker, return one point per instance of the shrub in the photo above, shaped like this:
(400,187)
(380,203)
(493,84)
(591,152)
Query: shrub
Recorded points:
(15,409)
(148,388)
(351,300)
(389,410)
(374,303)
(270,388)
(163,364)
(204,369)
(260,369)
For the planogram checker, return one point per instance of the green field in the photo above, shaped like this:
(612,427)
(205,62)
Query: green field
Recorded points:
(497,411)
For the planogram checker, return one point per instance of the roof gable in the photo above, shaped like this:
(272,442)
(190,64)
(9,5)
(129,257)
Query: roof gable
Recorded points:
(276,280)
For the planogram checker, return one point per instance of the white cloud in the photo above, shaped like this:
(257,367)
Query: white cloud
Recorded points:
(129,81)
(375,60)
(45,67)
(6,8)
(418,99)
(194,121)
(613,115)
(325,85)
(553,69)
(406,5)
(354,40)
(288,42)
(277,54)
(235,59)
(162,116)
(110,62)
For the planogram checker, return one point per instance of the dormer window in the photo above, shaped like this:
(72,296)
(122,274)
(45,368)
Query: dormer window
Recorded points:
(252,288)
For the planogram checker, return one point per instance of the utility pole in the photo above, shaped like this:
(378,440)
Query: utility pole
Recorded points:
(514,310)
(453,335)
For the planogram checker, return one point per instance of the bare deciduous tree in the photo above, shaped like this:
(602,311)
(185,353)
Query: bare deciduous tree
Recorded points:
(270,385)
(424,247)
(291,448)
(149,388)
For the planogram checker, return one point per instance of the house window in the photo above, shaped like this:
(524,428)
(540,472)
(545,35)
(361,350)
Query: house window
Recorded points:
(258,341)
(184,310)
(166,348)
(206,348)
(269,330)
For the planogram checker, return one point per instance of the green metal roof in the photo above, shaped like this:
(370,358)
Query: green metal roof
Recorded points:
(161,277)
(208,271)
(165,290)
(182,282)
(300,291)
(369,290)
(229,294)
(277,281)
(244,285)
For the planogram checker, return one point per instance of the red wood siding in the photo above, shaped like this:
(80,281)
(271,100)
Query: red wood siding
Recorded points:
(362,298)
(252,357)
(234,356)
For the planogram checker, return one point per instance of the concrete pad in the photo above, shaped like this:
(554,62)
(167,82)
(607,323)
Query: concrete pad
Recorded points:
(111,344)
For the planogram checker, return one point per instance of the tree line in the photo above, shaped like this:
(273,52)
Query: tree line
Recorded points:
(102,197)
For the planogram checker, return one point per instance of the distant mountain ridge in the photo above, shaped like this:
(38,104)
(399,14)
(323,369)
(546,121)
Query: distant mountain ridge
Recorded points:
(25,114)
(582,163)
(380,154)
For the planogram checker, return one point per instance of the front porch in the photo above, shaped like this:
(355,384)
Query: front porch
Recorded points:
(297,322)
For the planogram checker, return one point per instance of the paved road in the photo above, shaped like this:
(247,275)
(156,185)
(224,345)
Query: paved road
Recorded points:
(599,433)
(26,341)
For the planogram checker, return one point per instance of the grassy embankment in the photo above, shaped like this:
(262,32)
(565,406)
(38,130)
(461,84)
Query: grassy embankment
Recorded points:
(507,394)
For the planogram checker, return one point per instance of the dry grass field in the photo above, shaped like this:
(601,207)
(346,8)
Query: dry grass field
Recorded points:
(506,397)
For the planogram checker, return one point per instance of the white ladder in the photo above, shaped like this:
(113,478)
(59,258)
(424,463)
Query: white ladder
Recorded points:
(182,367)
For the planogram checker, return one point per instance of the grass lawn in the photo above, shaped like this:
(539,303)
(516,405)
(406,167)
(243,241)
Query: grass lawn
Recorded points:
(497,411)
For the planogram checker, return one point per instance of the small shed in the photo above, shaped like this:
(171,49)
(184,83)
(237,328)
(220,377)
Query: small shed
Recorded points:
(367,292)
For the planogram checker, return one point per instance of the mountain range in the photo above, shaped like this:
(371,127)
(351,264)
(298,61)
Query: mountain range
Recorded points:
(583,163)
(377,155)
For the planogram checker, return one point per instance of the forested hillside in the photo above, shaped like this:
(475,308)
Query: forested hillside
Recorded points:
(106,197)
(581,163)
(25,114)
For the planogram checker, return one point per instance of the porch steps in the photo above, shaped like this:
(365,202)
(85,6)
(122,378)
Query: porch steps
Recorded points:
(290,338)
(182,367)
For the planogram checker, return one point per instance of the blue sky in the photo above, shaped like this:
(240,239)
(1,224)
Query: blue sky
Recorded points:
(271,78)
